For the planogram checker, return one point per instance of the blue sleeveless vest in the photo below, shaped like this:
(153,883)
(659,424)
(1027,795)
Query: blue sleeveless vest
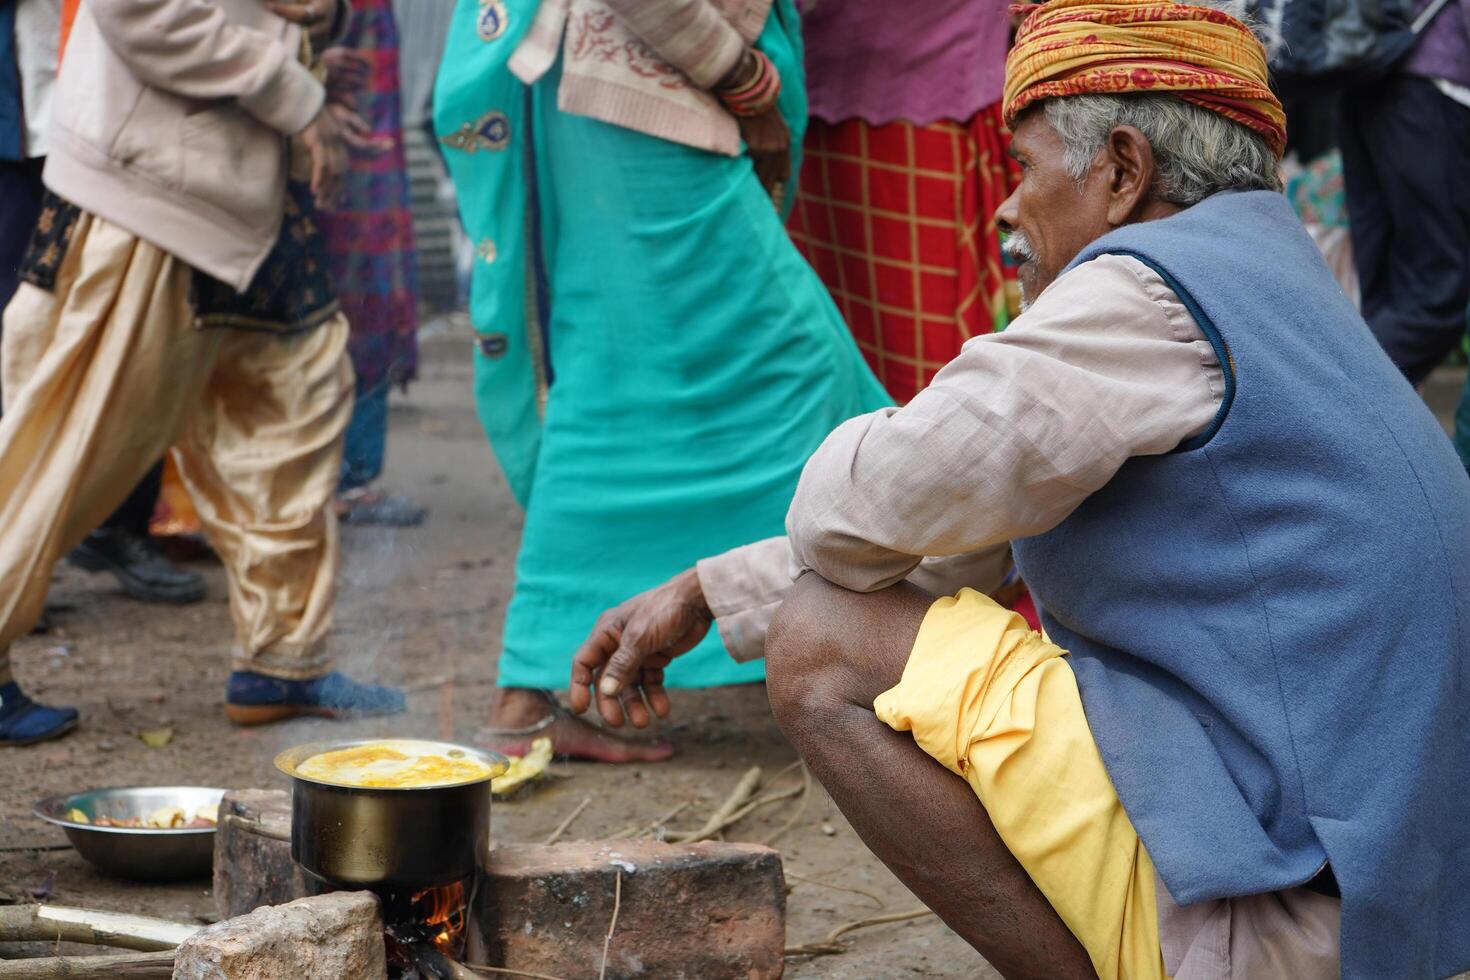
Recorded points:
(1270,627)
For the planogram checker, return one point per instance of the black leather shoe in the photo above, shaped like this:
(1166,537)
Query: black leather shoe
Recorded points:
(135,561)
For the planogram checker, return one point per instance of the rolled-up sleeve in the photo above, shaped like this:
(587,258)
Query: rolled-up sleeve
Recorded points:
(691,35)
(744,586)
(1011,435)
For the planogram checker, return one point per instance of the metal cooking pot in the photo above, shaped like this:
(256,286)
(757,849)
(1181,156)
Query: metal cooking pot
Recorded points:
(399,839)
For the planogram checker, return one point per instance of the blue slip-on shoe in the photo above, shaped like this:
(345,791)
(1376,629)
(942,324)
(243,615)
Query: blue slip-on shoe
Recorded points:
(255,699)
(23,721)
(370,508)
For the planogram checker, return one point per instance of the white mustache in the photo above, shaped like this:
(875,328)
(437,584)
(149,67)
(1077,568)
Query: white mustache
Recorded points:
(1018,248)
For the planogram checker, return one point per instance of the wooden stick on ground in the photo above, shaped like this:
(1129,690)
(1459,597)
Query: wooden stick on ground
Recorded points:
(634,831)
(123,966)
(613,925)
(561,828)
(832,947)
(796,813)
(839,888)
(502,971)
(428,684)
(718,820)
(756,804)
(57,923)
(441,965)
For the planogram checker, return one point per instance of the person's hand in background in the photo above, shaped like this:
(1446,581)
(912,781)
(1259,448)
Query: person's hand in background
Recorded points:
(768,140)
(324,142)
(317,16)
(348,72)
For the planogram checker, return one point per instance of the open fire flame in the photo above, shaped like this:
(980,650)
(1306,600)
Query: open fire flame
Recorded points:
(443,916)
(426,931)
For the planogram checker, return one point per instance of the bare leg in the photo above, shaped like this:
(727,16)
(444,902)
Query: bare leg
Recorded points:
(830,653)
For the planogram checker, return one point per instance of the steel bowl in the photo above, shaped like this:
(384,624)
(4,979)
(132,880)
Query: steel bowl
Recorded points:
(137,852)
(389,838)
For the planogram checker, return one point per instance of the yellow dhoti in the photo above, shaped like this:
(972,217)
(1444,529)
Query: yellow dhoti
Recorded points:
(102,375)
(997,704)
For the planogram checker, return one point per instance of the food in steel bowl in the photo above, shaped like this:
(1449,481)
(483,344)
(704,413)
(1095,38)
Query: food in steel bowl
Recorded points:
(143,832)
(164,818)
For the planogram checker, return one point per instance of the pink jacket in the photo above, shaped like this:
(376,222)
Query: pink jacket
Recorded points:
(172,120)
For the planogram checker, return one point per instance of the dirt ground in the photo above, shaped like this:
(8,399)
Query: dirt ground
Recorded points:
(422,607)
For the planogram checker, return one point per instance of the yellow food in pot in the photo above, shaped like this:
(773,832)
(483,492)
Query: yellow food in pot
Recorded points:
(394,765)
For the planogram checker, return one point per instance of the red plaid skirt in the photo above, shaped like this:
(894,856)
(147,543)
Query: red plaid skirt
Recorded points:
(899,221)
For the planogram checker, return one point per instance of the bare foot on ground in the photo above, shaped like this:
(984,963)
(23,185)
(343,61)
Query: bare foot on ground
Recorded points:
(513,710)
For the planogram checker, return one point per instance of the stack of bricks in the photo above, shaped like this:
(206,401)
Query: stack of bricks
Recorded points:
(711,910)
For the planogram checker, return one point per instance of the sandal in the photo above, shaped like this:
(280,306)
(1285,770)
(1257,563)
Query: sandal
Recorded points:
(518,741)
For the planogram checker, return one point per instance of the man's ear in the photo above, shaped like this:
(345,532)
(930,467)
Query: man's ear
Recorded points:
(1130,161)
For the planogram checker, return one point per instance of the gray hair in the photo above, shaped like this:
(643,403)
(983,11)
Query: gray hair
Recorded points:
(1197,152)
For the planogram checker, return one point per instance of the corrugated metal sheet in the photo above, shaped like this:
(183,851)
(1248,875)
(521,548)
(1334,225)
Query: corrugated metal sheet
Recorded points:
(423,26)
(435,225)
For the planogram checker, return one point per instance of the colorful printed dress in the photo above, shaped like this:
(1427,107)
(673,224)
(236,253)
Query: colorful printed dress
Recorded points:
(654,361)
(906,167)
(899,221)
(370,243)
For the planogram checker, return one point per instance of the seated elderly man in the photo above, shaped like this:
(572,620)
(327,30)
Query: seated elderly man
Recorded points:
(1241,749)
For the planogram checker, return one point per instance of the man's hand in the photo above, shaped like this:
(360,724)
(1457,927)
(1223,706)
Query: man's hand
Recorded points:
(769,141)
(323,140)
(631,645)
(317,16)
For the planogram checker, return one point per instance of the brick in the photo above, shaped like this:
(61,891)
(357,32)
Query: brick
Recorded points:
(251,870)
(708,911)
(325,937)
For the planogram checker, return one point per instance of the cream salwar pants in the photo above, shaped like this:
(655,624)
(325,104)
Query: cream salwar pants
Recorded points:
(102,375)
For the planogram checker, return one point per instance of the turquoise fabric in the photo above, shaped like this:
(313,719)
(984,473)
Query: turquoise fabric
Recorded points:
(696,360)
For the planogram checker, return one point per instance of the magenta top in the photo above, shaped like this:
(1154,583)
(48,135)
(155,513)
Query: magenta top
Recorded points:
(915,60)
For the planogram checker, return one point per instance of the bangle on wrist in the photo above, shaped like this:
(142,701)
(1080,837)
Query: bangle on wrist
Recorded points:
(741,72)
(757,93)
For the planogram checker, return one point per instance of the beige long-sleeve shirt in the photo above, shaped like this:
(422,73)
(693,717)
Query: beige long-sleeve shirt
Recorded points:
(1009,438)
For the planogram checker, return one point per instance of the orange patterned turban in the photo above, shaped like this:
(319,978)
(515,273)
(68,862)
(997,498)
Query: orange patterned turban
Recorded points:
(1113,47)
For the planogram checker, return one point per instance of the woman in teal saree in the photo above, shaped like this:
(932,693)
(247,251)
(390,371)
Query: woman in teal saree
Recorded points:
(654,362)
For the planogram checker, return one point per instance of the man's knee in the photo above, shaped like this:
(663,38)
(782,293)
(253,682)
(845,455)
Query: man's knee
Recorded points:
(801,655)
(829,648)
